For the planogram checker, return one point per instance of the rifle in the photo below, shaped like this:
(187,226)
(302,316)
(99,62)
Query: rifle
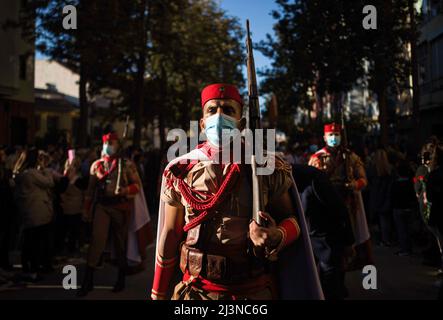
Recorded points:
(254,123)
(120,161)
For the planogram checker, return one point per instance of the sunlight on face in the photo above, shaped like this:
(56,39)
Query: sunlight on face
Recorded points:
(228,107)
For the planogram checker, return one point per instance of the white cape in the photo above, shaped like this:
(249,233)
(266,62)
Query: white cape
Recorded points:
(359,223)
(139,218)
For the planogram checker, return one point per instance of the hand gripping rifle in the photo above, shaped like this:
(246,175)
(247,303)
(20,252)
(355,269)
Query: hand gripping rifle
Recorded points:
(254,123)
(120,159)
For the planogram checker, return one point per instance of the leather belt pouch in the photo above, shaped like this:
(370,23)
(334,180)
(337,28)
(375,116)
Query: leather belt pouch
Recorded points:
(216,267)
(193,235)
(195,262)
(191,260)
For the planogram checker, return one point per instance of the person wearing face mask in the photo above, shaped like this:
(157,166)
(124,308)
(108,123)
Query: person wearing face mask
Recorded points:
(34,198)
(434,247)
(205,221)
(349,178)
(109,208)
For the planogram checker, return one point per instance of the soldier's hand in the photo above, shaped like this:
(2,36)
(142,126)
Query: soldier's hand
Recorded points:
(264,236)
(122,191)
(352,185)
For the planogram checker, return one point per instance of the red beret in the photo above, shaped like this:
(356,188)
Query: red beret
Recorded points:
(220,91)
(112,136)
(332,127)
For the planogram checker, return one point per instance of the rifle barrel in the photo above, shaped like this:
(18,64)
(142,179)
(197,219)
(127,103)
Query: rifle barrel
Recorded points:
(254,123)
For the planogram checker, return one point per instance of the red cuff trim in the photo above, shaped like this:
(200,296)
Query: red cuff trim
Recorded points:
(164,271)
(290,229)
(133,188)
(360,183)
(166,263)
(156,295)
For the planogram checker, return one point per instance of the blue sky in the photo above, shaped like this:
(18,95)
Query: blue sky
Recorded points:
(261,22)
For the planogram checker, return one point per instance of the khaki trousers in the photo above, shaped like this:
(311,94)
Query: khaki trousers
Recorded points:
(108,218)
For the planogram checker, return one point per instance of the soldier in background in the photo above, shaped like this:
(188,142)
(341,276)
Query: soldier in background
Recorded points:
(112,208)
(208,205)
(329,228)
(347,173)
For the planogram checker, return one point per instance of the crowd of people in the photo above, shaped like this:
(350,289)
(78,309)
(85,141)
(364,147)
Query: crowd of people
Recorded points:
(402,199)
(42,197)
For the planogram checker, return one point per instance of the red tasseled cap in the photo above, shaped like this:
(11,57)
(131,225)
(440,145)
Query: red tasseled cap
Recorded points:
(220,91)
(332,127)
(112,136)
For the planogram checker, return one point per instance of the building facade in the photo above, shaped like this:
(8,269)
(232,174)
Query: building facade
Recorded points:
(17,122)
(430,61)
(56,100)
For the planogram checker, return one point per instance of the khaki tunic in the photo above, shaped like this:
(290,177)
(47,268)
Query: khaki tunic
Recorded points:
(109,216)
(129,176)
(335,167)
(229,227)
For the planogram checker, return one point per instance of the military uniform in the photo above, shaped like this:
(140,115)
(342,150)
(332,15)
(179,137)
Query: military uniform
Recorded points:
(110,211)
(332,162)
(216,256)
(223,240)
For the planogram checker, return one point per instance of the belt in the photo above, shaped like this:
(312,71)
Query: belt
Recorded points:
(216,268)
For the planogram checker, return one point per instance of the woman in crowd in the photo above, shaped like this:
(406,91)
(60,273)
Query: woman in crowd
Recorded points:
(33,198)
(72,200)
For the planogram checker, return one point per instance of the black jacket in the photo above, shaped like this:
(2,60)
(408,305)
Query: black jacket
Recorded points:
(325,211)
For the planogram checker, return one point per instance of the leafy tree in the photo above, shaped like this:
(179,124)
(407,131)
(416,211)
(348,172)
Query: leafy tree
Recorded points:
(386,51)
(317,48)
(321,48)
(157,54)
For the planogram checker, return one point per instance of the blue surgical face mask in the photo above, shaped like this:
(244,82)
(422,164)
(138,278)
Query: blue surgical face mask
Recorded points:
(333,141)
(218,127)
(108,149)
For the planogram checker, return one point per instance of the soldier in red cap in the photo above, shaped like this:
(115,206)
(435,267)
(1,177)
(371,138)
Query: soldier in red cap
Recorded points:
(205,219)
(346,171)
(108,204)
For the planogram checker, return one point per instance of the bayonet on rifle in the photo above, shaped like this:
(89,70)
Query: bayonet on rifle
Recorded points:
(254,123)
